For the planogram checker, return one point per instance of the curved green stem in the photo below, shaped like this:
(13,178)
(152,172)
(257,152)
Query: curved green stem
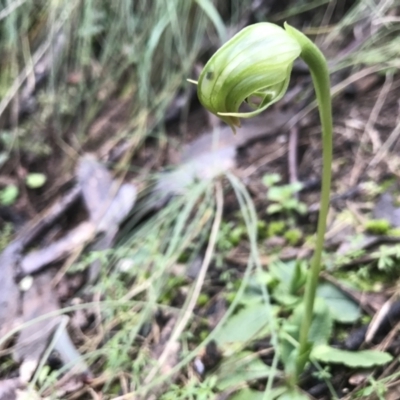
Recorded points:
(239,70)
(320,76)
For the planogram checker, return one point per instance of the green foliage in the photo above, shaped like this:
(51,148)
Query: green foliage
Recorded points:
(378,226)
(319,333)
(352,359)
(262,229)
(193,390)
(387,257)
(6,234)
(246,325)
(8,195)
(293,394)
(342,259)
(240,368)
(286,282)
(322,323)
(283,199)
(394,232)
(229,236)
(6,140)
(246,394)
(203,299)
(172,284)
(341,308)
(377,388)
(331,305)
(293,236)
(212,13)
(323,373)
(93,52)
(271,179)
(35,180)
(89,258)
(276,228)
(290,278)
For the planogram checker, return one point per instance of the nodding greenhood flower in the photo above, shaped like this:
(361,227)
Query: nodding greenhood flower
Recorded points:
(254,66)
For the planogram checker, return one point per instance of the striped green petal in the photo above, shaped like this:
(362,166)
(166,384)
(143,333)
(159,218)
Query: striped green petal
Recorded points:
(254,65)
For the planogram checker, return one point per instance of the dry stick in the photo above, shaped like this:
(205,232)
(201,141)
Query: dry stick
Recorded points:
(292,154)
(358,164)
(46,219)
(197,287)
(335,90)
(262,162)
(390,337)
(378,106)
(386,146)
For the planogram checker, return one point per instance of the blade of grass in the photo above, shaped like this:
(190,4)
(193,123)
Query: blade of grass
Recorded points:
(209,8)
(195,292)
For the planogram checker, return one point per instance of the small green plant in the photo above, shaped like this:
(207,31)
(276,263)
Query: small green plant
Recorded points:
(378,226)
(283,197)
(262,229)
(9,195)
(387,257)
(284,200)
(193,389)
(293,236)
(203,299)
(35,180)
(6,234)
(377,388)
(276,228)
(271,179)
(229,236)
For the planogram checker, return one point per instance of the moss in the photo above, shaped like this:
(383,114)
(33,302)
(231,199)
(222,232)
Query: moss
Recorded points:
(230,297)
(262,230)
(394,232)
(236,235)
(6,234)
(293,236)
(203,299)
(276,228)
(203,335)
(377,226)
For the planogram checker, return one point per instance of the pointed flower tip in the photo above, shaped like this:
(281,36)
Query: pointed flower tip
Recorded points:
(232,121)
(233,127)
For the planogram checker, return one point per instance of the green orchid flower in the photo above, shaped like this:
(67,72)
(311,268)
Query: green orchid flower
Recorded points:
(254,66)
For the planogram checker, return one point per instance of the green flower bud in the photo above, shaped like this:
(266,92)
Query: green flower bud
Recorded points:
(255,64)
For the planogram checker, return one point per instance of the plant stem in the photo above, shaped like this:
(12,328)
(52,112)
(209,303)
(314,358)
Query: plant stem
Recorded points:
(320,76)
